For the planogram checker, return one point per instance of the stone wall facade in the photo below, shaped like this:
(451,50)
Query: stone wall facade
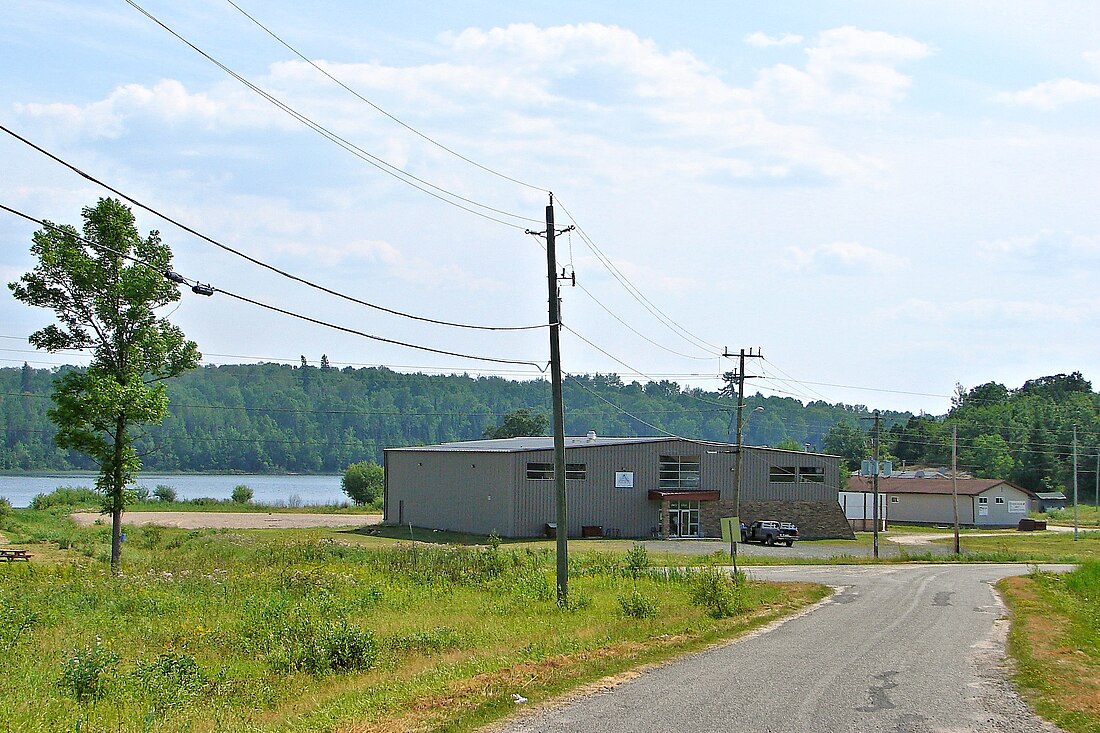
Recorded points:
(816,520)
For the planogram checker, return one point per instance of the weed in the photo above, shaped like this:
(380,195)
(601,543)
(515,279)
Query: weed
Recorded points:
(68,497)
(636,605)
(171,679)
(718,593)
(86,673)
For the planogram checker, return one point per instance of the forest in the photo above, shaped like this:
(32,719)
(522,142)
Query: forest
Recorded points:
(277,418)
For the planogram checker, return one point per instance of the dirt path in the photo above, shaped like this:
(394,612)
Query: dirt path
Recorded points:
(236,520)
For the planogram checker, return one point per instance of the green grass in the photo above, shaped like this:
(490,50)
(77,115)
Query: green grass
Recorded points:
(1055,642)
(310,630)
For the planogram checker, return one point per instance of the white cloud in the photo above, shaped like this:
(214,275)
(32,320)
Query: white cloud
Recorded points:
(762,40)
(999,313)
(848,71)
(1050,95)
(1047,244)
(335,254)
(848,256)
(1010,246)
(167,101)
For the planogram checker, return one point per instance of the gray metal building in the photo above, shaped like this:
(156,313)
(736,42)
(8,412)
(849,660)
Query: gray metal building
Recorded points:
(982,502)
(619,487)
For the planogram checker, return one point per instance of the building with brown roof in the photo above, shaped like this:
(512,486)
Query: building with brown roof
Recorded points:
(982,502)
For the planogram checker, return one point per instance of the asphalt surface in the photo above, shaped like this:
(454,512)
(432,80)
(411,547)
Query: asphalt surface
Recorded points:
(903,649)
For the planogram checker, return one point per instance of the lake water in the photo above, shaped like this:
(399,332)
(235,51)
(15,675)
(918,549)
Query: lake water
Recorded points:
(20,488)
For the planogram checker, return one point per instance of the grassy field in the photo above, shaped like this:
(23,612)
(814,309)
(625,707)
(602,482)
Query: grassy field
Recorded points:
(310,630)
(1055,641)
(83,498)
(1012,546)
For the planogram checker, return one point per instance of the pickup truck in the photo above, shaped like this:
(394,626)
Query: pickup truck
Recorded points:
(769,533)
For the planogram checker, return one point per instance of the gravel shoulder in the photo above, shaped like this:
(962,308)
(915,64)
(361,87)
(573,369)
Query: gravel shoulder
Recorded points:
(236,520)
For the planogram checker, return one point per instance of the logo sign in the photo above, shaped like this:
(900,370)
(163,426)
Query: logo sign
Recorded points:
(624,479)
(1017,507)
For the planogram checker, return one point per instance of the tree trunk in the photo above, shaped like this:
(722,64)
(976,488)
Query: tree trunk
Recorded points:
(116,489)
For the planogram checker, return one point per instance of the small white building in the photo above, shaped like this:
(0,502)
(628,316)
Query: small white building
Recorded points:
(982,502)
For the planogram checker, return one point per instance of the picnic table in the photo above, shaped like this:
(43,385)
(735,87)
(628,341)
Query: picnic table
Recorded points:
(12,554)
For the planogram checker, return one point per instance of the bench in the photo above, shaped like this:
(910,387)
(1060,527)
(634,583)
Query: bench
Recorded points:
(10,555)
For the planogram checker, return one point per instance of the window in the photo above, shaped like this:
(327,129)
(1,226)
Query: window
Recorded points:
(895,500)
(983,500)
(679,472)
(545,471)
(540,471)
(811,475)
(782,474)
(1000,500)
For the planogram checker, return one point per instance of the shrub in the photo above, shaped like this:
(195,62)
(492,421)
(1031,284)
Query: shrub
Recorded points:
(363,482)
(242,494)
(68,496)
(720,595)
(636,605)
(86,673)
(170,679)
(165,493)
(5,507)
(318,648)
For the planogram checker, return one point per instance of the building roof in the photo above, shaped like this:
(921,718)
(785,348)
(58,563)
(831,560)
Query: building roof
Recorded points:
(545,442)
(966,486)
(530,443)
(1051,495)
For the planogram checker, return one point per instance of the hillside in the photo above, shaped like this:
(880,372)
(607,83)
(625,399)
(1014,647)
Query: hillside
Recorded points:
(279,418)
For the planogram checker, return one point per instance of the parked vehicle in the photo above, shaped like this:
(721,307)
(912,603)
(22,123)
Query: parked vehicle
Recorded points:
(768,532)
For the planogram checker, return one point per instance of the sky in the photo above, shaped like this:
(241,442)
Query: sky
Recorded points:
(886,199)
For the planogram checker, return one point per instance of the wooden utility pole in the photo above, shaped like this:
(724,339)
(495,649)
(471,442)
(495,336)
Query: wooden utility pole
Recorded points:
(562,519)
(737,450)
(1074,483)
(954,481)
(874,511)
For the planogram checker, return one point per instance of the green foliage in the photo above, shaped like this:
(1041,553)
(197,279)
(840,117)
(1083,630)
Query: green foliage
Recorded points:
(68,496)
(241,494)
(636,605)
(104,290)
(519,423)
(714,590)
(171,679)
(321,646)
(364,482)
(165,493)
(5,507)
(790,444)
(86,673)
(849,441)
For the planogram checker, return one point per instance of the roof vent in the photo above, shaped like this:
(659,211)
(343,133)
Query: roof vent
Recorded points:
(591,436)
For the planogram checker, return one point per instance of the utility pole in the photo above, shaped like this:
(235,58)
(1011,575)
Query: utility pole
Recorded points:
(954,481)
(562,529)
(874,512)
(737,454)
(1074,483)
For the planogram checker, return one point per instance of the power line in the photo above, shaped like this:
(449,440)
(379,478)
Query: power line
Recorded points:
(209,290)
(626,325)
(373,160)
(408,127)
(637,294)
(250,258)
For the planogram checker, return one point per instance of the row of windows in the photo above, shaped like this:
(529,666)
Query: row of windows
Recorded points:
(682,472)
(545,471)
(796,474)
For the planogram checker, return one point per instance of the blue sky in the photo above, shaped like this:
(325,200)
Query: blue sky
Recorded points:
(892,197)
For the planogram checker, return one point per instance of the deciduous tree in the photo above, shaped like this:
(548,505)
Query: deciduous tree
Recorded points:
(104,289)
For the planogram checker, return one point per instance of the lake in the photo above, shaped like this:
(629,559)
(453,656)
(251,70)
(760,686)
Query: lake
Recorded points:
(20,488)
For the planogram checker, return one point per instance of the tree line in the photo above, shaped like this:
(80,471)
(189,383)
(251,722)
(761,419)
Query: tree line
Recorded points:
(277,418)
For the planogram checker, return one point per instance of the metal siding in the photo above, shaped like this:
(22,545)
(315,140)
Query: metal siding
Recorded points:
(461,492)
(445,492)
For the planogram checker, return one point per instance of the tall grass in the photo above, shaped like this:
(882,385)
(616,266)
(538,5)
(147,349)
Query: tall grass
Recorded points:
(234,631)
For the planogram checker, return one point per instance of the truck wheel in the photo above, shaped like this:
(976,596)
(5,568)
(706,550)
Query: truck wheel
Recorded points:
(769,541)
(790,543)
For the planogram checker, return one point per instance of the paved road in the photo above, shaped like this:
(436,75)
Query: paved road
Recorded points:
(903,649)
